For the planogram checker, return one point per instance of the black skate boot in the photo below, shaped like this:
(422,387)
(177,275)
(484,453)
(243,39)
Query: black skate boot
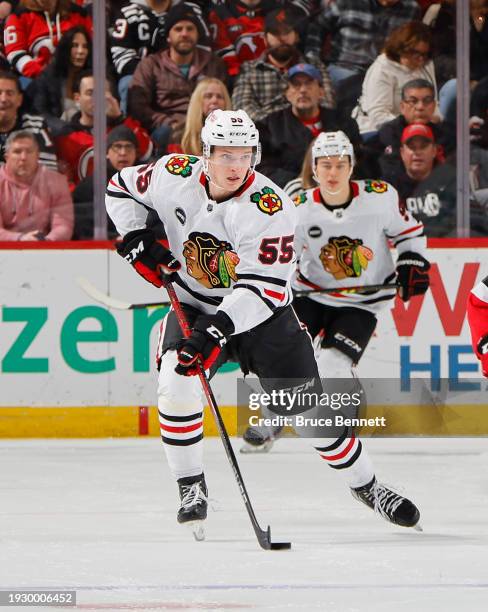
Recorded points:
(193,509)
(256,441)
(390,505)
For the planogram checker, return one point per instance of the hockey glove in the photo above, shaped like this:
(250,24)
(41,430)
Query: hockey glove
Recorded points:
(478,324)
(208,337)
(149,257)
(412,275)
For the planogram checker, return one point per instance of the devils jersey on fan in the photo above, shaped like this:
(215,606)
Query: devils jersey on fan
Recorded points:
(30,35)
(350,245)
(236,255)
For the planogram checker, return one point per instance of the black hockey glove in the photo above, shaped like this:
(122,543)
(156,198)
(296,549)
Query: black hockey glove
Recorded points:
(208,337)
(412,275)
(149,257)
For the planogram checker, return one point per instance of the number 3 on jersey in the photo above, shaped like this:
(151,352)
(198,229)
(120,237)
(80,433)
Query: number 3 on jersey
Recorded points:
(278,248)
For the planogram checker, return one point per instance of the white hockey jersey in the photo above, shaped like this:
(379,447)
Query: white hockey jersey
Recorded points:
(350,246)
(236,256)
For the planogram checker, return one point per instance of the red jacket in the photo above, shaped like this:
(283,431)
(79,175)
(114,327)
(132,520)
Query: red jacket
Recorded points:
(75,146)
(238,33)
(30,37)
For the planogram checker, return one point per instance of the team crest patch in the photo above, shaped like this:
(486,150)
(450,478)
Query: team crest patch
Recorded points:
(375,186)
(268,201)
(300,198)
(345,257)
(180,165)
(210,261)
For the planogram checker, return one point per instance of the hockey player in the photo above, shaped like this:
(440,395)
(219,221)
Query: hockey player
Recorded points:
(478,322)
(342,240)
(231,233)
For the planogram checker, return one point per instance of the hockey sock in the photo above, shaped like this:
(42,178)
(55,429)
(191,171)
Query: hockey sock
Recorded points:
(180,410)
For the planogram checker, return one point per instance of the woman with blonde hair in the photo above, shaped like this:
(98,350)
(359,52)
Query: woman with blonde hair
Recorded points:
(210,94)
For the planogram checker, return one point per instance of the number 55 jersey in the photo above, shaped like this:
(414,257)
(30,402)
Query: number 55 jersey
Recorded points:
(236,256)
(349,245)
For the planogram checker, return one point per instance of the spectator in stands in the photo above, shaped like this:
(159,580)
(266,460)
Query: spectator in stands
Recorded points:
(35,202)
(137,29)
(13,119)
(209,94)
(358,29)
(122,151)
(34,29)
(75,142)
(427,188)
(238,28)
(417,105)
(260,87)
(286,134)
(163,82)
(406,57)
(54,97)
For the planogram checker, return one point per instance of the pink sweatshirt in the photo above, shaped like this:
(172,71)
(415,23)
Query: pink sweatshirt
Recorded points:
(44,205)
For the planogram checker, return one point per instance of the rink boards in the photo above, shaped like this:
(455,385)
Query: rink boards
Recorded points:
(71,367)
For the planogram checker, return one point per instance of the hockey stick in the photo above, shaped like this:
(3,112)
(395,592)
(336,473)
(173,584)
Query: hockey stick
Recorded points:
(111,302)
(354,289)
(264,537)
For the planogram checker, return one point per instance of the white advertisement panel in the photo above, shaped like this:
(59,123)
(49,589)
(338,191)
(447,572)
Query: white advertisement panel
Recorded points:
(58,347)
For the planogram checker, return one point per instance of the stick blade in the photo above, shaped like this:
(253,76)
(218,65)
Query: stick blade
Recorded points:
(264,538)
(280,545)
(100,297)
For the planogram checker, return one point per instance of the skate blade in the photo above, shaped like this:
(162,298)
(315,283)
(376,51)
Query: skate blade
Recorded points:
(197,529)
(250,449)
(418,527)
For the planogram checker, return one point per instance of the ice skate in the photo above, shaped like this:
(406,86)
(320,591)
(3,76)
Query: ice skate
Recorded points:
(194,502)
(390,505)
(256,441)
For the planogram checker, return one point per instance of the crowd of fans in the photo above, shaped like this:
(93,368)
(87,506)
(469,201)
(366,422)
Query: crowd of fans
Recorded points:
(383,71)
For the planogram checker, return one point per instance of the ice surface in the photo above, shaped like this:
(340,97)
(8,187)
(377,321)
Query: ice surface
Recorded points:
(98,516)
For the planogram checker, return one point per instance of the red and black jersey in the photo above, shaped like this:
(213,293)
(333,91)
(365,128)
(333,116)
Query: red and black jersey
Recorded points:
(75,146)
(30,37)
(238,30)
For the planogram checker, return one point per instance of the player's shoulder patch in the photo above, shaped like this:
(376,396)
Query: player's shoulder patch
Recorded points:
(181,165)
(300,198)
(375,186)
(267,201)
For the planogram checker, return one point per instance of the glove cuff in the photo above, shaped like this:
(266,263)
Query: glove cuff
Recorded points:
(410,258)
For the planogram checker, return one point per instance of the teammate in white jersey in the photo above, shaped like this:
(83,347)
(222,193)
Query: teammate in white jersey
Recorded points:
(231,232)
(343,239)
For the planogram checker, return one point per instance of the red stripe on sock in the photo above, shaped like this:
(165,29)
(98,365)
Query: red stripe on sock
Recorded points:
(184,429)
(342,454)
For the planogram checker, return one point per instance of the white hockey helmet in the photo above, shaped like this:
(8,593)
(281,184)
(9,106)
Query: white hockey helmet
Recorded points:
(329,144)
(228,128)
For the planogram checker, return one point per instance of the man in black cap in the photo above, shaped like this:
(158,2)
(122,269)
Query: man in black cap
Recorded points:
(163,82)
(286,134)
(122,152)
(260,87)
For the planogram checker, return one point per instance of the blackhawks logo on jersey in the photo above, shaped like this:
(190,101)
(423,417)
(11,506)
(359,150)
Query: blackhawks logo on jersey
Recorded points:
(300,198)
(345,257)
(210,261)
(180,165)
(375,186)
(267,200)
